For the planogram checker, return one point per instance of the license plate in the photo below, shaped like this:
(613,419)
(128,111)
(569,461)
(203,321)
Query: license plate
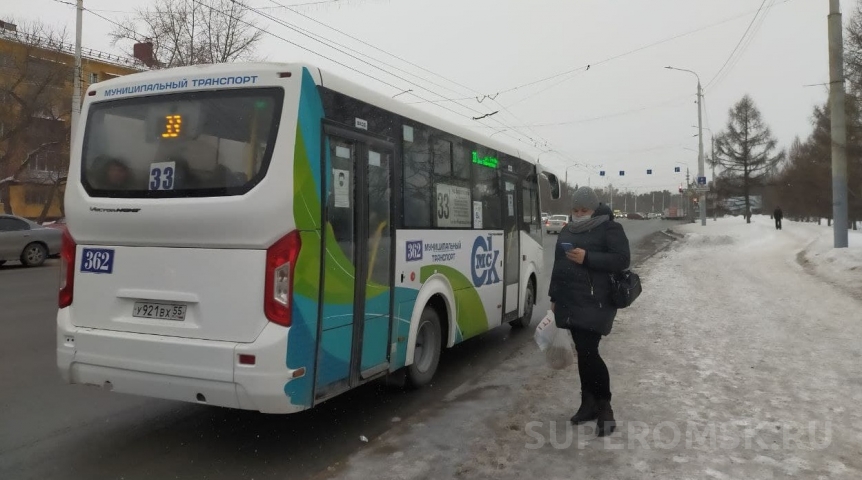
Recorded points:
(159,311)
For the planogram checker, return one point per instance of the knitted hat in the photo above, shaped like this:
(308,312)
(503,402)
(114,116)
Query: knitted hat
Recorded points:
(585,197)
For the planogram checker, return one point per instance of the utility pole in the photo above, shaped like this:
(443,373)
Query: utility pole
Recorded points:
(839,126)
(714,193)
(700,172)
(686,191)
(76,86)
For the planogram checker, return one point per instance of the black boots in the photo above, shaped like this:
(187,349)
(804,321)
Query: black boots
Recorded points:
(605,423)
(589,409)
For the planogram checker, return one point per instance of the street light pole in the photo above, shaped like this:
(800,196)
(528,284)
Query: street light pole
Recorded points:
(702,200)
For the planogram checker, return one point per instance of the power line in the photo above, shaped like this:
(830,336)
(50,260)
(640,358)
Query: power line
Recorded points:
(457,101)
(544,89)
(610,115)
(301,4)
(481,115)
(384,82)
(408,62)
(747,43)
(737,43)
(310,33)
(630,52)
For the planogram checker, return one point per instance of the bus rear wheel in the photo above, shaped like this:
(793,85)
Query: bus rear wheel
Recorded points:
(529,300)
(426,353)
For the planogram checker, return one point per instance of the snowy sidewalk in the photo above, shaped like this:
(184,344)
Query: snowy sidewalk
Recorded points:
(737,362)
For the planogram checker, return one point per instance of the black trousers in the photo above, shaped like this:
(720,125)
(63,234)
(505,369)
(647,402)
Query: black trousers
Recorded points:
(594,374)
(777,223)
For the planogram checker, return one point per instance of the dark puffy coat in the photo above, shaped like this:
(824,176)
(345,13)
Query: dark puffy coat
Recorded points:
(581,293)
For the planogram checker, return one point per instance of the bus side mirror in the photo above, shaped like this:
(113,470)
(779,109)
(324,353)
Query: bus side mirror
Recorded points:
(554,182)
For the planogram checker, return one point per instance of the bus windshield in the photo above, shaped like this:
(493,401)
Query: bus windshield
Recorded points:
(197,144)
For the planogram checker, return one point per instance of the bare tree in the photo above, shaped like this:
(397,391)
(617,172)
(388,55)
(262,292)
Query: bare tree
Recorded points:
(192,32)
(35,95)
(746,148)
(853,50)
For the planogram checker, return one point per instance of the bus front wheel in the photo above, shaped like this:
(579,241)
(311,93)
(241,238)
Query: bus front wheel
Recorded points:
(426,353)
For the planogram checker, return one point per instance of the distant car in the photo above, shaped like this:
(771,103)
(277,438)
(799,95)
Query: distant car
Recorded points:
(26,241)
(618,214)
(545,217)
(556,223)
(635,216)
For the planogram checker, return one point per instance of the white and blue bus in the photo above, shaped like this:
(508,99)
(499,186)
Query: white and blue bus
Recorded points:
(268,236)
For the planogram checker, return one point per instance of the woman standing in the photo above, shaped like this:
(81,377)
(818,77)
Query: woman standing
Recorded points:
(589,249)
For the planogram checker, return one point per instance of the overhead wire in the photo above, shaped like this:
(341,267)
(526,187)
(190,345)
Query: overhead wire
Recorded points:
(738,44)
(670,101)
(337,62)
(630,52)
(745,46)
(586,67)
(541,141)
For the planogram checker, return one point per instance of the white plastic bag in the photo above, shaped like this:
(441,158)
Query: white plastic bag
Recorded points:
(560,354)
(545,331)
(555,342)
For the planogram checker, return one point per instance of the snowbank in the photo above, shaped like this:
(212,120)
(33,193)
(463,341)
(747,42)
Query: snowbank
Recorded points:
(736,362)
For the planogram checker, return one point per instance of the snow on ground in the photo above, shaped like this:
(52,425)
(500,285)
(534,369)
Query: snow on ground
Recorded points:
(736,362)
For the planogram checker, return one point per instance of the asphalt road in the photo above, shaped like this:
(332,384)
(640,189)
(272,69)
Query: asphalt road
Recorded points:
(52,430)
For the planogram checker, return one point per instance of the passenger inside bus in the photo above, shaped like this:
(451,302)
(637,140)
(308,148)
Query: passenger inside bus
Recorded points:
(112,173)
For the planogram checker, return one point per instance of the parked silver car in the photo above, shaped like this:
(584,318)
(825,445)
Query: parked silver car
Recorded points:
(555,223)
(26,241)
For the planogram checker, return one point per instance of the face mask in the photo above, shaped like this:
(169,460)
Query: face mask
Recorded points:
(579,220)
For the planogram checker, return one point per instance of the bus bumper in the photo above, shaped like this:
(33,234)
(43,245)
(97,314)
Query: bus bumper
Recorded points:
(198,371)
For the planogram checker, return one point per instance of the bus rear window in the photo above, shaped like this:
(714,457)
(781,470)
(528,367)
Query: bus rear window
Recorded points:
(197,144)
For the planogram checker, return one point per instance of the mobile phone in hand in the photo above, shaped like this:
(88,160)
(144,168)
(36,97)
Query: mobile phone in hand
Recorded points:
(567,246)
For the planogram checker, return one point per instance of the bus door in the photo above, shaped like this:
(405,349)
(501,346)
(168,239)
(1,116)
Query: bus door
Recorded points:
(512,247)
(356,280)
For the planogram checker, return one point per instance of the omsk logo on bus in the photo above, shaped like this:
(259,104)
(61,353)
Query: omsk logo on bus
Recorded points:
(484,264)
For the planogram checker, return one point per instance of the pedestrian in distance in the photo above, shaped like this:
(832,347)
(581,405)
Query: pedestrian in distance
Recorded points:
(778,215)
(589,249)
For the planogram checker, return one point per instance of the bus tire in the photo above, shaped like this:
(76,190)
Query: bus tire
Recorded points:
(529,302)
(34,254)
(426,354)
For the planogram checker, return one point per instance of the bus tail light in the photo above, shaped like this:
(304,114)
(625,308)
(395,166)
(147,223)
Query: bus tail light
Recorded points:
(278,288)
(67,269)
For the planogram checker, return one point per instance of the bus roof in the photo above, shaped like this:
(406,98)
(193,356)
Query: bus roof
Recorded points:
(323,78)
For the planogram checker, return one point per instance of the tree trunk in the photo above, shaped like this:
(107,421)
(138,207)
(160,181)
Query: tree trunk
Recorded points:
(5,199)
(745,190)
(48,201)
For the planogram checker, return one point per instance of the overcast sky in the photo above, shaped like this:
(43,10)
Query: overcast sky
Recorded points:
(625,113)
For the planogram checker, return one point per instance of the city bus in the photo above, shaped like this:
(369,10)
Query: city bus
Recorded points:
(268,236)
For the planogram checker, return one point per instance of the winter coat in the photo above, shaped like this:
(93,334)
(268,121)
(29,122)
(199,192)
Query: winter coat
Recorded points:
(778,214)
(581,293)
